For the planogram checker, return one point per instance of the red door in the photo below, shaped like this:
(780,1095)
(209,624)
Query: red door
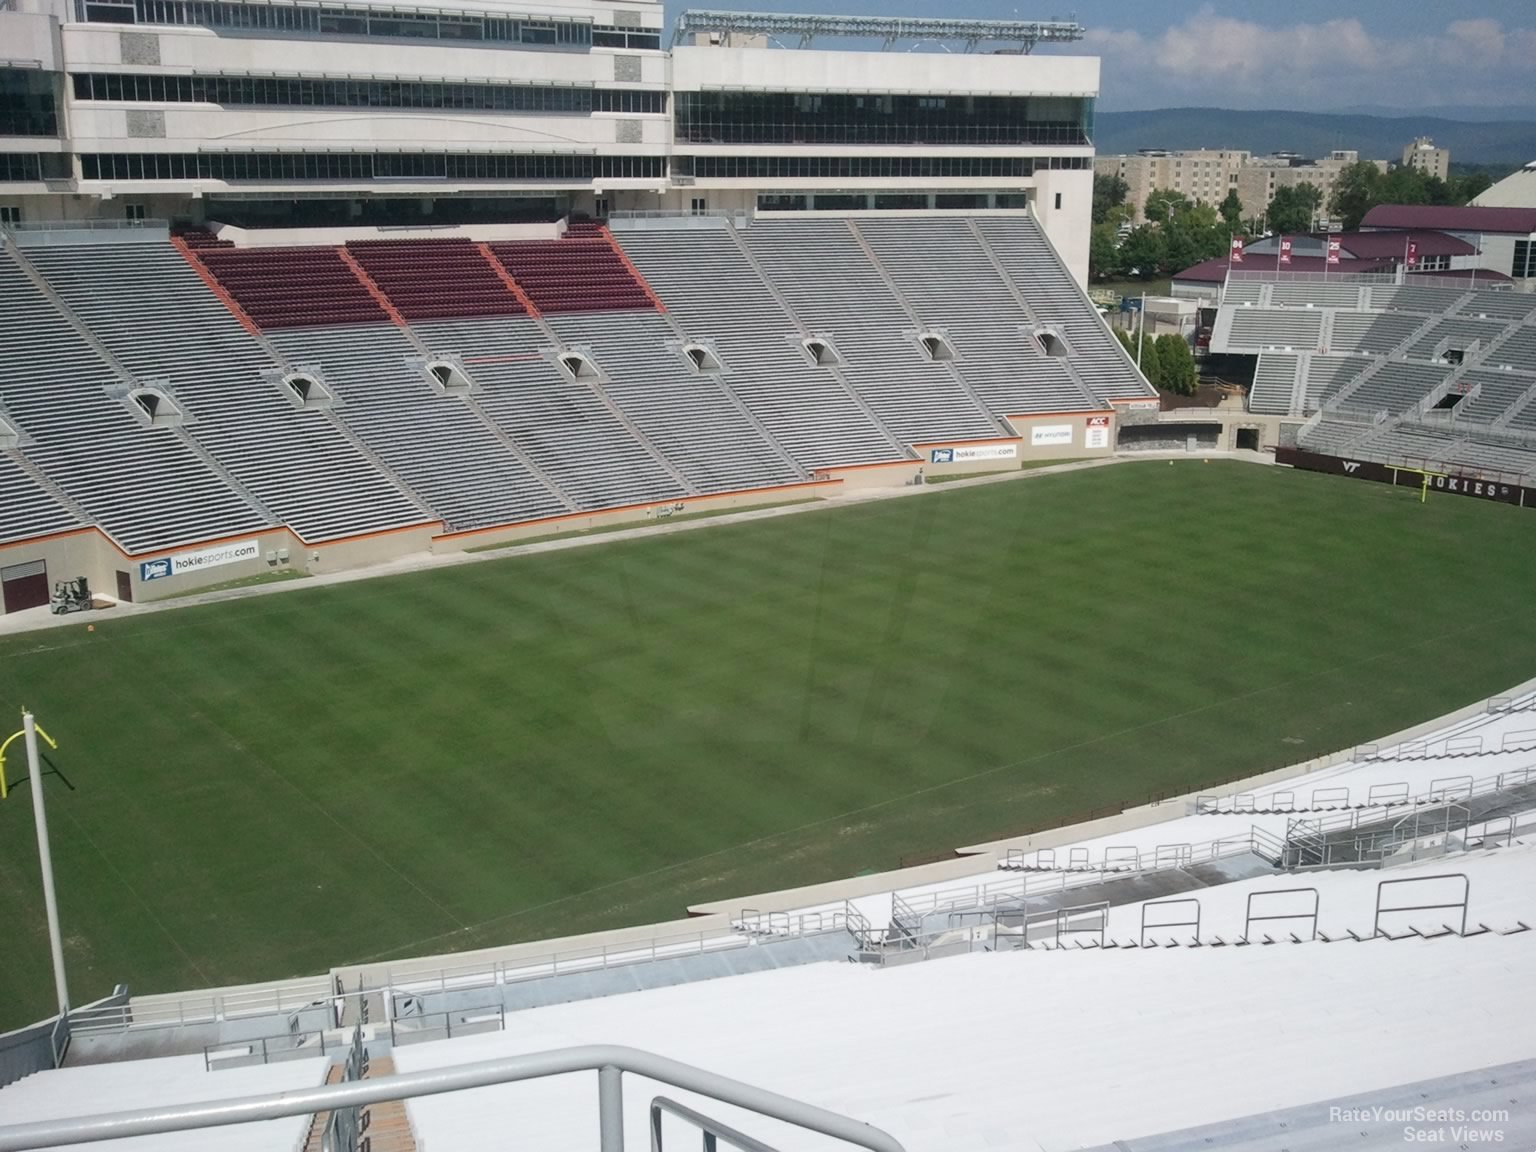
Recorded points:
(24,586)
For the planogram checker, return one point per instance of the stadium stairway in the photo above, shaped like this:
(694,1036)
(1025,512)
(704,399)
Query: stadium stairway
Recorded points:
(1090,401)
(385,1127)
(838,372)
(315,1140)
(998,423)
(610,405)
(723,378)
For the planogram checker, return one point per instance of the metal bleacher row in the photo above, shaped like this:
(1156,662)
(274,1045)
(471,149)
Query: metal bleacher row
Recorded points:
(153,395)
(1400,373)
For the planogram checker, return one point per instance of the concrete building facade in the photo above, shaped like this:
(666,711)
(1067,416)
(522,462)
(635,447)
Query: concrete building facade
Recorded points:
(1424,156)
(260,114)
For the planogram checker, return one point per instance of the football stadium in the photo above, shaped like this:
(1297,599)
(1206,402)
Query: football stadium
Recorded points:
(570,584)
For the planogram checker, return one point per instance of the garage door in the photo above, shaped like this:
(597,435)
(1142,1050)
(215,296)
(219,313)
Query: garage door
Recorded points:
(24,585)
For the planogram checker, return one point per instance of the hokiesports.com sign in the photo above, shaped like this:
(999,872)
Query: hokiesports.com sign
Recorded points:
(1456,483)
(180,563)
(968,452)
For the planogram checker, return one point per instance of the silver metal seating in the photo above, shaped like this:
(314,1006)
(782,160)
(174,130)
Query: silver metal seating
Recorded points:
(1056,298)
(686,414)
(562,426)
(715,295)
(431,441)
(144,486)
(833,288)
(158,317)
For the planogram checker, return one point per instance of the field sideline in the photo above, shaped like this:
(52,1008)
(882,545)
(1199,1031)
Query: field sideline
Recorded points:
(586,738)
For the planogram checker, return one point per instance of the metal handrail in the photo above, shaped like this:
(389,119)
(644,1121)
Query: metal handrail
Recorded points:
(148,224)
(713,1130)
(609,1061)
(601,956)
(1211,805)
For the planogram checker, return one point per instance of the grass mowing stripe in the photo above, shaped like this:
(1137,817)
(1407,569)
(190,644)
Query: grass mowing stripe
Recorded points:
(571,740)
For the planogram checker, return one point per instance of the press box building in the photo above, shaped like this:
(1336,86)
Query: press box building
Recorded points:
(271,112)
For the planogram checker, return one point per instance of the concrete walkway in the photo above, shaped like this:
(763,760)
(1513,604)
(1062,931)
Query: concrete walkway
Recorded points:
(38,619)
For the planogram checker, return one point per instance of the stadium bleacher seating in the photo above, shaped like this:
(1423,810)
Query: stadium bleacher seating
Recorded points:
(1054,297)
(292,385)
(143,485)
(1447,367)
(295,462)
(563,425)
(1252,328)
(435,279)
(31,510)
(942,269)
(293,287)
(1274,382)
(689,415)
(1373,333)
(805,406)
(433,442)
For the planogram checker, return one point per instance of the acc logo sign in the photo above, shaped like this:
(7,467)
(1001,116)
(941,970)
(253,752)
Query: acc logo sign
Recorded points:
(155,569)
(941,456)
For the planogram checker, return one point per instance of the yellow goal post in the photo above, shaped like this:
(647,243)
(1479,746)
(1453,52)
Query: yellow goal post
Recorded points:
(4,786)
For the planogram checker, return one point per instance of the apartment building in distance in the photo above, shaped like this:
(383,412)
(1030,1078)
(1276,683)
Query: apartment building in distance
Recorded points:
(1423,155)
(1207,175)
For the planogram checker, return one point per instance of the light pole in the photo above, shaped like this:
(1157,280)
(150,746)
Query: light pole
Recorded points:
(45,858)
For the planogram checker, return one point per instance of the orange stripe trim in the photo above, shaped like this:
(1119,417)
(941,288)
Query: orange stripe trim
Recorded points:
(214,286)
(635,507)
(373,289)
(632,270)
(506,278)
(367,535)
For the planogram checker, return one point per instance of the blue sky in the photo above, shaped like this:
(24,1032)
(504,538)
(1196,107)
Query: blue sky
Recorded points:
(1309,55)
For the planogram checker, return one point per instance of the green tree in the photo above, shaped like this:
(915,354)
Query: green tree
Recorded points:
(1356,192)
(1103,252)
(1232,209)
(1143,252)
(1293,209)
(1130,343)
(1176,364)
(1108,192)
(1161,200)
(1469,185)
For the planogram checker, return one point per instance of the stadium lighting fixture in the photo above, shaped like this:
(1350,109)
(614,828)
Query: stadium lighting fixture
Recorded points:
(887,29)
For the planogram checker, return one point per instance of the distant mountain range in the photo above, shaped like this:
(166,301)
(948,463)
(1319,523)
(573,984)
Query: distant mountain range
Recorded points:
(1511,142)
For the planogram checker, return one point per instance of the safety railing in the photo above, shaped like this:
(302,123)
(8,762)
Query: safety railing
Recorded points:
(205,1007)
(450,978)
(1384,794)
(714,1133)
(810,923)
(1122,859)
(1453,890)
(150,224)
(264,1050)
(610,1062)
(416,1026)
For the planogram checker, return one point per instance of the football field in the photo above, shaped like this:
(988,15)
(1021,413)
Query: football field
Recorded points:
(547,744)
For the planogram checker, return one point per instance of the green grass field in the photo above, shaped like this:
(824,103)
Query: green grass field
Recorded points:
(601,736)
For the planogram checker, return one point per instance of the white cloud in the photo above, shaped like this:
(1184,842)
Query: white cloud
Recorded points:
(1210,59)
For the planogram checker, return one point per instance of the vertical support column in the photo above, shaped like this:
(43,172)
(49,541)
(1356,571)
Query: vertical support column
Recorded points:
(610,1108)
(45,858)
